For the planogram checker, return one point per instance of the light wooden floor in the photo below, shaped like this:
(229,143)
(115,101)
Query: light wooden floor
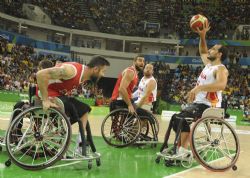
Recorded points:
(243,163)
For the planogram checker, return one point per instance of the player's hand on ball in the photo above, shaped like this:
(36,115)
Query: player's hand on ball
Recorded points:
(205,29)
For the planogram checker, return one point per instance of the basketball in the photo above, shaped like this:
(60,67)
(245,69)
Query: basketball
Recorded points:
(197,21)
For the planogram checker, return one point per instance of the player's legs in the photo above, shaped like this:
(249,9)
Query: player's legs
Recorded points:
(184,139)
(182,130)
(193,111)
(76,110)
(82,111)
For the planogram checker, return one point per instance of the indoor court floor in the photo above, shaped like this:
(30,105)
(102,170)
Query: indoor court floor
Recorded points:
(130,162)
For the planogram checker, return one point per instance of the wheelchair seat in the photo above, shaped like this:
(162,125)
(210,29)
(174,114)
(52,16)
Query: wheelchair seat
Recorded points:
(214,112)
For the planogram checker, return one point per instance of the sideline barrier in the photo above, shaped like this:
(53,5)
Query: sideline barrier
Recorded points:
(166,116)
(8,100)
(7,96)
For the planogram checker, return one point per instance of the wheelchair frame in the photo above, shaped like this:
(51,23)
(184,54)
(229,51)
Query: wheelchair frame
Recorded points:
(127,128)
(211,116)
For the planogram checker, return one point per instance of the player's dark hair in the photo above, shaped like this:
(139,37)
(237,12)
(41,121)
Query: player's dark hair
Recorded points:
(224,51)
(97,61)
(139,55)
(45,63)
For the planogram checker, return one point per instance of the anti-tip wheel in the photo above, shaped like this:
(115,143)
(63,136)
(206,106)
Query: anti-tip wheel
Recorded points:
(157,160)
(90,165)
(98,162)
(7,163)
(234,168)
(168,163)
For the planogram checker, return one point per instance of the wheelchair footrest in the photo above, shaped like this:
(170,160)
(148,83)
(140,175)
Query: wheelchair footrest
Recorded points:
(185,160)
(146,142)
(78,157)
(174,156)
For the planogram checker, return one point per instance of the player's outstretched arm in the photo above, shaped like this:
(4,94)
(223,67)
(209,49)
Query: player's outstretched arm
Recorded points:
(203,44)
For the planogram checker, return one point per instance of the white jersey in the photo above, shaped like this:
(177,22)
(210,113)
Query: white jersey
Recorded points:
(141,91)
(212,99)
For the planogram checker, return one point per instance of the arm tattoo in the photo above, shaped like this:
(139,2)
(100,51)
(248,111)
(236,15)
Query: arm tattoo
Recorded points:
(57,73)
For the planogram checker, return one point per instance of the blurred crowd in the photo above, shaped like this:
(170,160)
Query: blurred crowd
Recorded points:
(224,16)
(17,64)
(63,13)
(119,17)
(129,17)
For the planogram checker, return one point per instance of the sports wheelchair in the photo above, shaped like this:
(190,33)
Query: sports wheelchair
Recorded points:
(213,142)
(37,139)
(121,128)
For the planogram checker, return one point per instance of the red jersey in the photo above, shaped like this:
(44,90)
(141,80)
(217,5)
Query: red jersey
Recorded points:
(64,87)
(133,83)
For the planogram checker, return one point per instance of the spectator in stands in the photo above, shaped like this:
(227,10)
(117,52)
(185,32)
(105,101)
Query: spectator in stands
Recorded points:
(67,13)
(246,112)
(130,16)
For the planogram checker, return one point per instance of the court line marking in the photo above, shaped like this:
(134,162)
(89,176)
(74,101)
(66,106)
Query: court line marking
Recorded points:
(2,166)
(182,172)
(198,166)
(62,165)
(5,119)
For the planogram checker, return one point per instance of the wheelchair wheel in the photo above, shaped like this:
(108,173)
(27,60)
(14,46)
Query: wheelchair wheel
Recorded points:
(157,126)
(120,128)
(215,144)
(41,141)
(1,143)
(149,131)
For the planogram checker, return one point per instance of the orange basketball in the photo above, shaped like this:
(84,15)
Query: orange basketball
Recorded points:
(197,21)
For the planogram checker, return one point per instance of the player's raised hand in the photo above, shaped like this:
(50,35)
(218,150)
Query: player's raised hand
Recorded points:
(205,29)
